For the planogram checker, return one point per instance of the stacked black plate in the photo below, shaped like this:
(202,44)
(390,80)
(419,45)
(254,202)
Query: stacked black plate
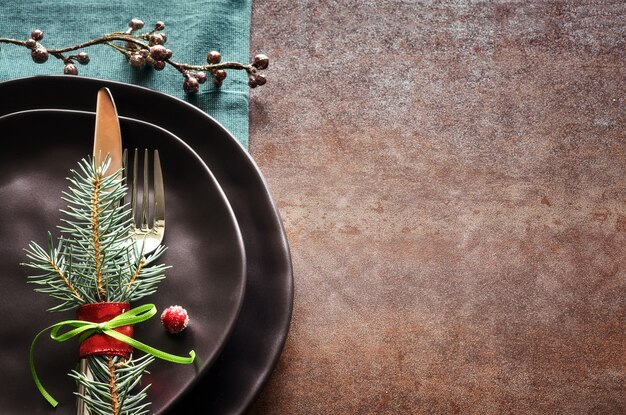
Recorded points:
(230,259)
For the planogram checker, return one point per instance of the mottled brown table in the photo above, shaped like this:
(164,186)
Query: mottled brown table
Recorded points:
(452,180)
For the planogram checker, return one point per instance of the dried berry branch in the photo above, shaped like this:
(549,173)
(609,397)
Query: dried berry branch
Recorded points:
(145,49)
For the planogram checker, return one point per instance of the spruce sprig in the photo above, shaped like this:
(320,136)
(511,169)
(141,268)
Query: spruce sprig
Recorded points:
(95,260)
(118,377)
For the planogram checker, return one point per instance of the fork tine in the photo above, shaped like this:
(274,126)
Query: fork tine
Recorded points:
(146,191)
(125,173)
(145,238)
(159,191)
(133,193)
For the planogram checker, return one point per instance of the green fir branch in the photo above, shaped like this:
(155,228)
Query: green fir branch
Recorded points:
(113,386)
(55,278)
(96,260)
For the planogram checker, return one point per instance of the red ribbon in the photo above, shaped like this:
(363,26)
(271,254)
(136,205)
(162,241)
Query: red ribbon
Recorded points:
(101,344)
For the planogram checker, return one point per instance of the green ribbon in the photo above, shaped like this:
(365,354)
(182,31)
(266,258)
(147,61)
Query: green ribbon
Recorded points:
(87,328)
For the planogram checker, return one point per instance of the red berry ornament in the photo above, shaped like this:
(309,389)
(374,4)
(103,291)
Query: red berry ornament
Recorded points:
(175,319)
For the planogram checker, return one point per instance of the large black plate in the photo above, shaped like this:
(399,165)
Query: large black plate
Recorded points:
(205,251)
(251,353)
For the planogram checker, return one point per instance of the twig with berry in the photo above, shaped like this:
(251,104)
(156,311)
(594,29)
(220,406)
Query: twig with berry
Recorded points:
(141,49)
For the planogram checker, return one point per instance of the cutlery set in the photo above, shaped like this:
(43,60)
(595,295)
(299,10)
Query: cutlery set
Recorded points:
(108,143)
(108,147)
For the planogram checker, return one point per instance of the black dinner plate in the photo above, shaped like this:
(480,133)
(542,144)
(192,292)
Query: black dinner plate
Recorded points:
(231,384)
(205,252)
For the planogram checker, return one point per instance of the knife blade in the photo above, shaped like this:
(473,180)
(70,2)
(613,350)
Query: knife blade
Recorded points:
(107,136)
(107,140)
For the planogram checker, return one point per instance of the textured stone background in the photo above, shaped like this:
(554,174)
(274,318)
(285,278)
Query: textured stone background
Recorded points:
(452,179)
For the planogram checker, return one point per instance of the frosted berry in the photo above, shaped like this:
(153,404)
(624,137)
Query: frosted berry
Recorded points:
(158,52)
(213,57)
(219,74)
(191,85)
(201,77)
(70,69)
(137,60)
(36,34)
(135,24)
(82,58)
(39,54)
(155,39)
(260,79)
(175,319)
(261,61)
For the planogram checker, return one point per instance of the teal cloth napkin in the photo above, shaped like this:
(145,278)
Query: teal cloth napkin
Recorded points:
(193,28)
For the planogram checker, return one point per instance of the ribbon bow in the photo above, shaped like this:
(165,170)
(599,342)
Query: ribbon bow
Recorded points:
(87,328)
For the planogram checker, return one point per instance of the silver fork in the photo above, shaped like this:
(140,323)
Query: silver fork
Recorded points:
(146,237)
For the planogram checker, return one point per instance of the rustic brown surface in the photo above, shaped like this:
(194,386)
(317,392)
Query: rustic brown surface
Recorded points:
(452,179)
